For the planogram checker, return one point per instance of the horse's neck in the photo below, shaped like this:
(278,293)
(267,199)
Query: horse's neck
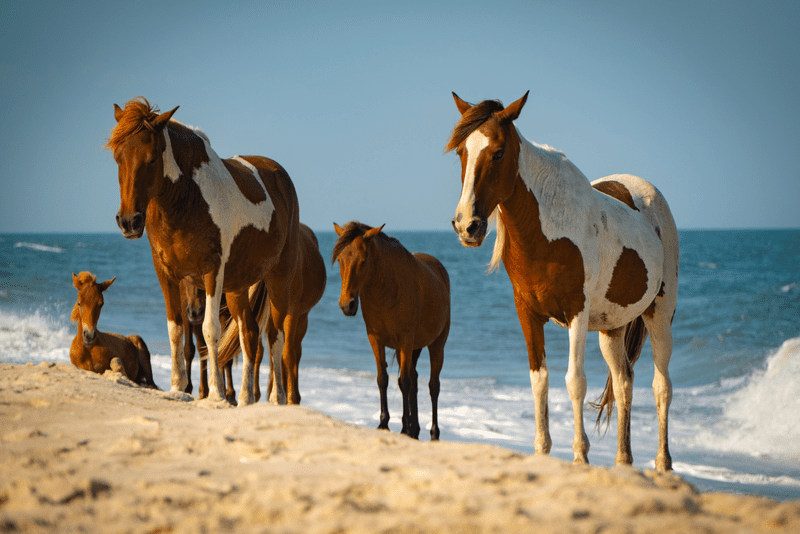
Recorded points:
(562,193)
(382,284)
(179,194)
(550,200)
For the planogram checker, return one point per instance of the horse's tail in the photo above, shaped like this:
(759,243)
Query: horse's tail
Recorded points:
(229,346)
(635,336)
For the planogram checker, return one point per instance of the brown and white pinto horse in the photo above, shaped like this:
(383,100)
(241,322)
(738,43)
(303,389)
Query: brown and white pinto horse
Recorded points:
(93,350)
(193,310)
(308,287)
(600,257)
(226,224)
(405,302)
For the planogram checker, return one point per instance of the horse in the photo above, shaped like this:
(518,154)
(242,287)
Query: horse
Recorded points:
(307,290)
(224,223)
(405,302)
(93,350)
(599,256)
(193,309)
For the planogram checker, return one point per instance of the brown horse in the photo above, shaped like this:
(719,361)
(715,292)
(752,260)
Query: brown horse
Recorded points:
(93,350)
(193,310)
(308,287)
(225,224)
(405,301)
(600,256)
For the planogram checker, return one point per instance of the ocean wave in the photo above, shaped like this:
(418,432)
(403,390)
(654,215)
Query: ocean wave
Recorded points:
(39,247)
(33,338)
(763,416)
(723,474)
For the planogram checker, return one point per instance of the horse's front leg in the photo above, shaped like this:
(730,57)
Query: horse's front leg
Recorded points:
(409,389)
(172,298)
(211,333)
(576,384)
(379,350)
(188,352)
(239,306)
(533,329)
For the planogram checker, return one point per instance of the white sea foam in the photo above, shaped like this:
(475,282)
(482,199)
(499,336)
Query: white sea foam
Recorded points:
(763,417)
(33,337)
(38,247)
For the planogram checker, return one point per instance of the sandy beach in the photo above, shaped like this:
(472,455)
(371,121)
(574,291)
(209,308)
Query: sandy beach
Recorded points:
(80,452)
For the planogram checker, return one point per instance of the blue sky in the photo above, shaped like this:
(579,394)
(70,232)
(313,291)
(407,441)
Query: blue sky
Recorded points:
(353,99)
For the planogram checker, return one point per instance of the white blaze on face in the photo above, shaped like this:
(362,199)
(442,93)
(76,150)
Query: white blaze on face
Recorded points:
(475,144)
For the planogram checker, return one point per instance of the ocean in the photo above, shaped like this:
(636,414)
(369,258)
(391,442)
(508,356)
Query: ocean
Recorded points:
(735,415)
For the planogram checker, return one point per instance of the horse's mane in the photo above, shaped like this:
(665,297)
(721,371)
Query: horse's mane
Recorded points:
(471,120)
(137,114)
(355,229)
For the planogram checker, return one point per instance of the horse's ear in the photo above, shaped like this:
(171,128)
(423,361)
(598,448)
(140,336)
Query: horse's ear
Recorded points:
(513,110)
(339,229)
(117,112)
(161,121)
(105,285)
(372,232)
(461,105)
(75,281)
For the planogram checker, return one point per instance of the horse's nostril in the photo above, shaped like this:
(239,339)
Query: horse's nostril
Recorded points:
(473,227)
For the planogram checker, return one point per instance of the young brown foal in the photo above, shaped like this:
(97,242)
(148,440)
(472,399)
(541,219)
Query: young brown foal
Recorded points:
(405,301)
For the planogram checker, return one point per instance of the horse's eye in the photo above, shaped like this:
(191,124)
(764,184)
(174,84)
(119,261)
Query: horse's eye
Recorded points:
(498,155)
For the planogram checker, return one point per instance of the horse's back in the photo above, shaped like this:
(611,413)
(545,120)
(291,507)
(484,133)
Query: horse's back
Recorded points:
(436,267)
(313,268)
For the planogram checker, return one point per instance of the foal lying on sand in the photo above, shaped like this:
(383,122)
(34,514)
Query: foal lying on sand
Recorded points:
(93,350)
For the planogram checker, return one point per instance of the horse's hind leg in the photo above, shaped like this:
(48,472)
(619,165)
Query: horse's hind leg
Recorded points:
(612,345)
(660,328)
(239,306)
(436,351)
(145,374)
(230,392)
(291,361)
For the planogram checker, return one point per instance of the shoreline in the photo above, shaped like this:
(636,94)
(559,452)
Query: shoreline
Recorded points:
(84,452)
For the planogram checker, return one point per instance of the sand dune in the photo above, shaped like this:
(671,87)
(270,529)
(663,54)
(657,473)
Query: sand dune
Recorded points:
(87,453)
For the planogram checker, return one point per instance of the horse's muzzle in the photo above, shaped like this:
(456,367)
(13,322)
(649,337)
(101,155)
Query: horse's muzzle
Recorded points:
(194,315)
(471,232)
(132,225)
(89,337)
(350,307)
